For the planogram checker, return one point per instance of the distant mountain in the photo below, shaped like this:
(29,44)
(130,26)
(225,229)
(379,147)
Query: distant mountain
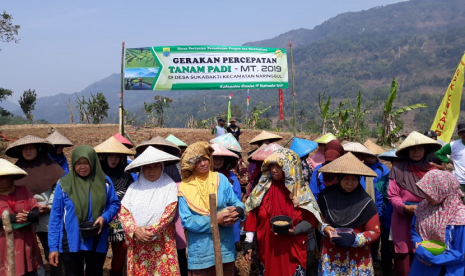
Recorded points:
(10,106)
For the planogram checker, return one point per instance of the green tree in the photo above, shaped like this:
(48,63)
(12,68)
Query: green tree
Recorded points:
(8,31)
(5,93)
(159,106)
(27,102)
(82,109)
(148,110)
(97,107)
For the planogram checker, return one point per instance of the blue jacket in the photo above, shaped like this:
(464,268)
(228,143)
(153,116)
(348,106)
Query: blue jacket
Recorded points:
(60,160)
(453,258)
(63,226)
(199,233)
(381,184)
(317,186)
(236,186)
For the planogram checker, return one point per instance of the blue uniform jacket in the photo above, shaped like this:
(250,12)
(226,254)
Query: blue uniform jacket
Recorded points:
(63,226)
(452,259)
(199,233)
(236,186)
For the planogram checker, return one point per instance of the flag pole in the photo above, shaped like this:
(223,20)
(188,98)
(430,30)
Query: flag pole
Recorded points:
(293,90)
(121,108)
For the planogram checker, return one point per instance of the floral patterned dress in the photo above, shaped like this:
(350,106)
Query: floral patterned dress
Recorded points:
(153,258)
(350,261)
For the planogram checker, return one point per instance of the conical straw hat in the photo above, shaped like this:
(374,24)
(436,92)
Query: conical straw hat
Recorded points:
(228,141)
(263,152)
(265,135)
(112,145)
(58,139)
(152,155)
(7,168)
(325,139)
(303,147)
(348,164)
(389,155)
(123,140)
(175,140)
(15,150)
(416,139)
(357,148)
(159,141)
(374,148)
(222,151)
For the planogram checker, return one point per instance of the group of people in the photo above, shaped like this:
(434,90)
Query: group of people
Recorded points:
(340,205)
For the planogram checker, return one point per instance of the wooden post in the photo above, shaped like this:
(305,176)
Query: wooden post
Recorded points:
(121,106)
(216,236)
(10,242)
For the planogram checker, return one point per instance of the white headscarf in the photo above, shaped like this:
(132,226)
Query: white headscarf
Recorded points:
(147,200)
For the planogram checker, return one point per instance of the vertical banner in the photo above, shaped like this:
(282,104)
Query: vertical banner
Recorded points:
(248,99)
(229,107)
(449,109)
(281,98)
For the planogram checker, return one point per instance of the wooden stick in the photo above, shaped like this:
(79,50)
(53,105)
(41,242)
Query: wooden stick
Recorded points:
(216,236)
(10,242)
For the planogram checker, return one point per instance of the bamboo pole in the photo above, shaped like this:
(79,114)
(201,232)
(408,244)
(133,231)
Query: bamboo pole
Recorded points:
(293,90)
(121,107)
(216,236)
(10,242)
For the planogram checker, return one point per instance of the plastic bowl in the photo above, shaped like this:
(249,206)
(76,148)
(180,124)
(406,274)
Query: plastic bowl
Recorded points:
(88,230)
(434,251)
(281,229)
(344,230)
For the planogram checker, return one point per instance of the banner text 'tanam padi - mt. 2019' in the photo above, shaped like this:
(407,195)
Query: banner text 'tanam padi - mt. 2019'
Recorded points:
(205,67)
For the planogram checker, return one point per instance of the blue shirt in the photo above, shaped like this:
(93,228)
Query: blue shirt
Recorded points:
(452,259)
(63,227)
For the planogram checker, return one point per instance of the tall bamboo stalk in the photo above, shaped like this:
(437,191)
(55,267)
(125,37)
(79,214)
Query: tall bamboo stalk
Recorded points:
(10,242)
(121,107)
(293,89)
(216,236)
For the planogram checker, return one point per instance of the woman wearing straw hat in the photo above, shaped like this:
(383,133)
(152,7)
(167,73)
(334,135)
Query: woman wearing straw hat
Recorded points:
(198,182)
(281,192)
(224,161)
(441,218)
(147,214)
(43,174)
(113,157)
(318,157)
(60,142)
(404,194)
(351,220)
(85,202)
(303,148)
(23,210)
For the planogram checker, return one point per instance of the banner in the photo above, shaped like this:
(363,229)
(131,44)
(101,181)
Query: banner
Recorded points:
(281,98)
(449,109)
(229,107)
(205,67)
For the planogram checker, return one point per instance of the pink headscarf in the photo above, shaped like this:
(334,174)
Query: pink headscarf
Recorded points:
(431,221)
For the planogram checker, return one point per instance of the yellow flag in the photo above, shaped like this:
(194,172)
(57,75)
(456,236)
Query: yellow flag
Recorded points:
(449,110)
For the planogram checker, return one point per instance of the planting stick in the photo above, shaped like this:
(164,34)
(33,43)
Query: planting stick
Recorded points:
(216,236)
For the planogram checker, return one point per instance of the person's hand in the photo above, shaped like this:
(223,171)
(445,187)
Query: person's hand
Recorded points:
(143,235)
(409,209)
(328,229)
(44,210)
(290,232)
(53,258)
(417,244)
(21,217)
(344,240)
(248,252)
(100,221)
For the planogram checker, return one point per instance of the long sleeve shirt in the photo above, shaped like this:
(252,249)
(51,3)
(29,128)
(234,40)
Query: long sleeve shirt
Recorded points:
(456,149)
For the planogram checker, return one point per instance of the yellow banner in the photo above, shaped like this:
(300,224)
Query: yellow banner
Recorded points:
(449,110)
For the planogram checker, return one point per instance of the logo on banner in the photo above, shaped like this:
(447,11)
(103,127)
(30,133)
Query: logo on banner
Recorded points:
(166,52)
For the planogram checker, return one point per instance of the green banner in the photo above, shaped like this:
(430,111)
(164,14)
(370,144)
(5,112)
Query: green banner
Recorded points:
(205,68)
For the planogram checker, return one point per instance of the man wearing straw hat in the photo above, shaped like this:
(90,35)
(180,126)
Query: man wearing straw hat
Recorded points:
(234,129)
(60,142)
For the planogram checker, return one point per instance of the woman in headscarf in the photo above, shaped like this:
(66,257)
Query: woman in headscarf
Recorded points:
(113,157)
(404,194)
(318,157)
(85,194)
(224,161)
(41,179)
(147,213)
(351,221)
(23,210)
(281,191)
(320,181)
(439,217)
(198,182)
(57,155)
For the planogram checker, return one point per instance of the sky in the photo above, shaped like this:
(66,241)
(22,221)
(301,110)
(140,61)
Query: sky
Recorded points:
(67,45)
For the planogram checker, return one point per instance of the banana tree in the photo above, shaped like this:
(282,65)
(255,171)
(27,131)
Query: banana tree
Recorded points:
(324,110)
(389,132)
